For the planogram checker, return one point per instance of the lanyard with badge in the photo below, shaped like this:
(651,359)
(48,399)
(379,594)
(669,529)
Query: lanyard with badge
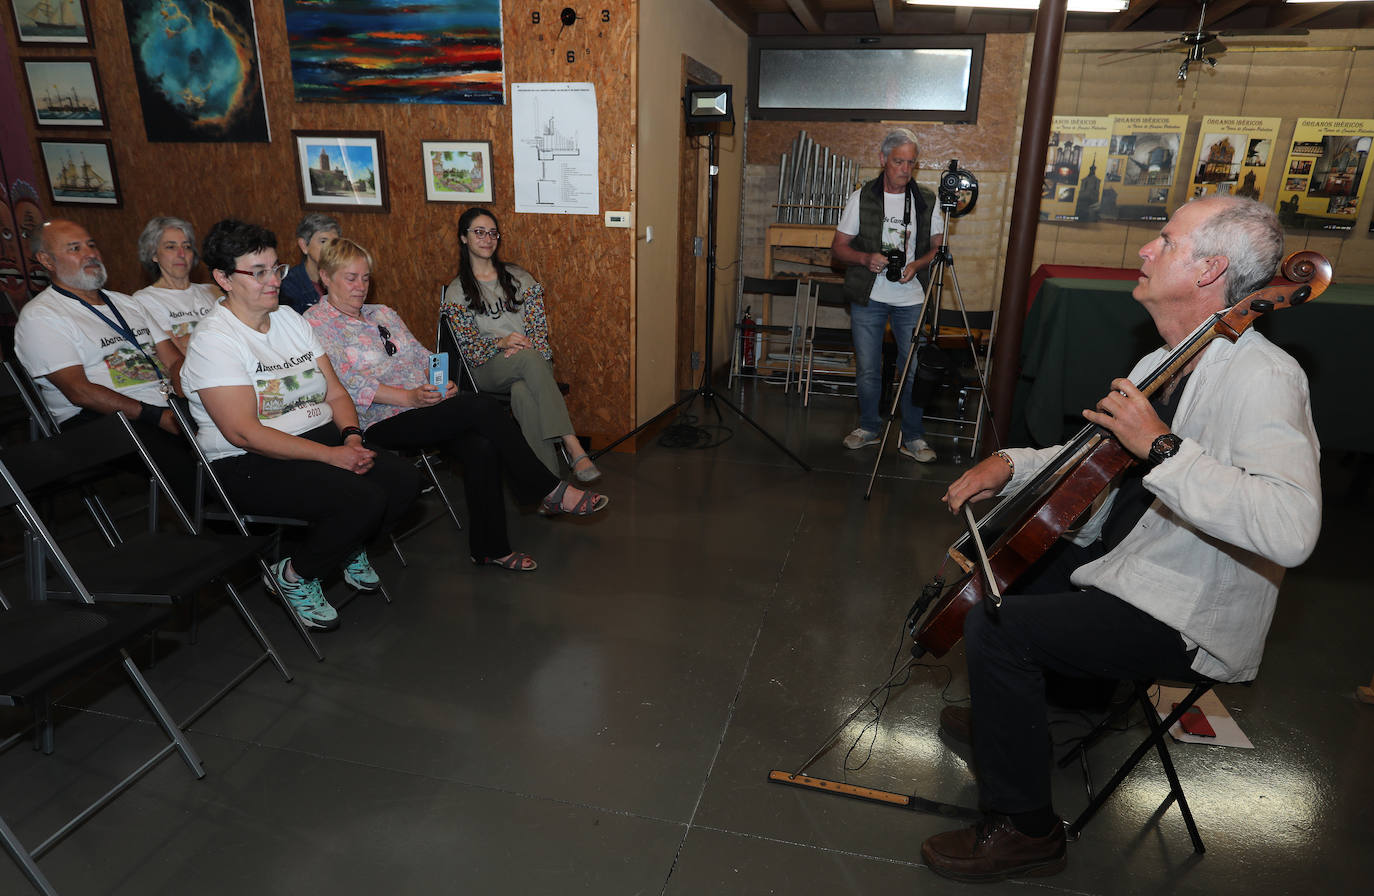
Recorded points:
(123,329)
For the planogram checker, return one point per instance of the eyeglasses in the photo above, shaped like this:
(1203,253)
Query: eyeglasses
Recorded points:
(386,340)
(482,233)
(262,274)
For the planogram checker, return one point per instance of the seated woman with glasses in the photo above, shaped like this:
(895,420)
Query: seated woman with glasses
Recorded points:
(385,370)
(280,430)
(497,310)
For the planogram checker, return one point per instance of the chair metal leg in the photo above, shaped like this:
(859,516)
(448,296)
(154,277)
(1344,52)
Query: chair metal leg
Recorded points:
(1158,730)
(434,477)
(25,861)
(164,719)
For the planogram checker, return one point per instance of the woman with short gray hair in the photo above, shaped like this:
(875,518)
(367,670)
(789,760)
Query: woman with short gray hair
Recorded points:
(167,251)
(302,287)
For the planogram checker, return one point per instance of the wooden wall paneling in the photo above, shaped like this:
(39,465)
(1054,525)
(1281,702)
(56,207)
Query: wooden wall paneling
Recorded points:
(586,268)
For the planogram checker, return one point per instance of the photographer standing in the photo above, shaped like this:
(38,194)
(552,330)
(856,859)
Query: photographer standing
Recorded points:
(887,236)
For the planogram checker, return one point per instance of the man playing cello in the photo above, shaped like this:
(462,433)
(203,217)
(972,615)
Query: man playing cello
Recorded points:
(1177,574)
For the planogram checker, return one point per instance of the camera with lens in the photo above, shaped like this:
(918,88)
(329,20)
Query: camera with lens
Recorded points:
(896,260)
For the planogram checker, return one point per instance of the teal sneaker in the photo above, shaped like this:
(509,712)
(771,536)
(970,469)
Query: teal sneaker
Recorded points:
(360,575)
(305,598)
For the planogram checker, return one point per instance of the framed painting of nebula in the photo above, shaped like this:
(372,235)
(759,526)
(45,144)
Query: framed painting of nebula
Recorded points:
(197,71)
(396,51)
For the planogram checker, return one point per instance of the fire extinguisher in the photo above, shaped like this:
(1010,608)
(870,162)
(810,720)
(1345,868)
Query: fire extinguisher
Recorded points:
(746,329)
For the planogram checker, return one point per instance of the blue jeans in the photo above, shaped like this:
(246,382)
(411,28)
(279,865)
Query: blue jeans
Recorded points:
(868,324)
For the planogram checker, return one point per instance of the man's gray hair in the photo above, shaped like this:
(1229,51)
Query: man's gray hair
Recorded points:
(895,138)
(1248,234)
(315,222)
(151,236)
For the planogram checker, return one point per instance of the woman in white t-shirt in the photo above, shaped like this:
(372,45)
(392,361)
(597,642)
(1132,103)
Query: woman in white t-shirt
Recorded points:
(280,430)
(167,251)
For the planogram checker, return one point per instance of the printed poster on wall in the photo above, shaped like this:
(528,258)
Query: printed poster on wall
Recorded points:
(1233,155)
(1324,178)
(556,148)
(1142,160)
(1074,163)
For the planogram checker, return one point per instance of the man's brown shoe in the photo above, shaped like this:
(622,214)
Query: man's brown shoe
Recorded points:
(994,850)
(956,722)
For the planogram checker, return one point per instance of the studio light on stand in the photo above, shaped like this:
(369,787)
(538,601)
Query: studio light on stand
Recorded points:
(708,109)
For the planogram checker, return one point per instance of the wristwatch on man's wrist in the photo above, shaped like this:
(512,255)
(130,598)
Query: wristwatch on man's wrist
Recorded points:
(1164,447)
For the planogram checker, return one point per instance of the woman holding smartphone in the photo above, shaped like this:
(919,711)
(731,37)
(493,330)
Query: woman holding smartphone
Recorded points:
(386,372)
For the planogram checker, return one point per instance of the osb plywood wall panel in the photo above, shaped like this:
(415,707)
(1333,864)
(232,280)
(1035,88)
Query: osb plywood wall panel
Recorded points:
(585,267)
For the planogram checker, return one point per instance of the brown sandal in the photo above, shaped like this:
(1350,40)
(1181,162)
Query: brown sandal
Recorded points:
(589,503)
(516,561)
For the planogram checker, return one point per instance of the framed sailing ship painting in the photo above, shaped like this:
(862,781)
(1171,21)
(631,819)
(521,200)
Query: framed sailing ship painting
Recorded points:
(80,172)
(51,22)
(65,93)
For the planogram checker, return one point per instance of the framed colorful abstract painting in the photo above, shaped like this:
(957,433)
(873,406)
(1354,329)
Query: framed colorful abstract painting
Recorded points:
(394,51)
(457,172)
(197,71)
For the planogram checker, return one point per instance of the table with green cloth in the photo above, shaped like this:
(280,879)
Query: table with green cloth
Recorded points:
(1082,334)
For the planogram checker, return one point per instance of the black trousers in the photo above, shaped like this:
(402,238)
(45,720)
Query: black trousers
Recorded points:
(345,510)
(484,438)
(1049,627)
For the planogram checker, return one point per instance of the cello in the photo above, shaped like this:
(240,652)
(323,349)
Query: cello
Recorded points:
(1023,526)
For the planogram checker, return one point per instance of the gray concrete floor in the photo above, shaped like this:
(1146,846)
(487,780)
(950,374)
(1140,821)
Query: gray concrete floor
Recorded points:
(606,724)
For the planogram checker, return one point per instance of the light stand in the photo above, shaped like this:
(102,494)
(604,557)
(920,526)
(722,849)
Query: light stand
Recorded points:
(708,107)
(958,195)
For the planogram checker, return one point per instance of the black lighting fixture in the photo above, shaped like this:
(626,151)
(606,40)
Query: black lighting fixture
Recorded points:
(708,105)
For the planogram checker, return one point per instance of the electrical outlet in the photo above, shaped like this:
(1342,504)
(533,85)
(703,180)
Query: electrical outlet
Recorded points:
(617,219)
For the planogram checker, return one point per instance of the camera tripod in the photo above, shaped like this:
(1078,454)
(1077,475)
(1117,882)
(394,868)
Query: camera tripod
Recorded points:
(929,319)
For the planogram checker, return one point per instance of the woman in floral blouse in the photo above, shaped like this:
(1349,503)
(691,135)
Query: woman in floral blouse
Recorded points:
(497,310)
(385,370)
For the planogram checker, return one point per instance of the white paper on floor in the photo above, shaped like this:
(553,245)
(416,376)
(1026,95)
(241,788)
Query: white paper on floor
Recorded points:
(1228,732)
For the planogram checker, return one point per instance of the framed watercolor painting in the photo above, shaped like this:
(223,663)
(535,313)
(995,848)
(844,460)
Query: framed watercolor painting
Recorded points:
(65,93)
(80,172)
(341,169)
(457,172)
(51,22)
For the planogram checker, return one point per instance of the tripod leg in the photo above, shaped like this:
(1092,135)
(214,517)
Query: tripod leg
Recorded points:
(765,433)
(912,357)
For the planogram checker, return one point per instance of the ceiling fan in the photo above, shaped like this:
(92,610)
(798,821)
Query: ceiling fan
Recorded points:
(1200,47)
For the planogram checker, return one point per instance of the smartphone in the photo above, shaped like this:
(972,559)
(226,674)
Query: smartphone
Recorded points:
(438,370)
(1194,722)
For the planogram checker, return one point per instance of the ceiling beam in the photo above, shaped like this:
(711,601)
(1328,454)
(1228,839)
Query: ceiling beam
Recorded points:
(1295,14)
(882,10)
(809,13)
(738,12)
(1220,10)
(1127,17)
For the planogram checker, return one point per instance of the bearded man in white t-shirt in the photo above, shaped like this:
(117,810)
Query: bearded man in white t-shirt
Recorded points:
(887,236)
(94,352)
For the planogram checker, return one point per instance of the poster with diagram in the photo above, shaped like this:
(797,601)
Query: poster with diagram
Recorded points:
(556,147)
(1074,162)
(1233,156)
(1142,163)
(1324,177)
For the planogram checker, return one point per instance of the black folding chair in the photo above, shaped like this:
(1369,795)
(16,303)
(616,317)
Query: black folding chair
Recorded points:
(152,567)
(1158,731)
(41,644)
